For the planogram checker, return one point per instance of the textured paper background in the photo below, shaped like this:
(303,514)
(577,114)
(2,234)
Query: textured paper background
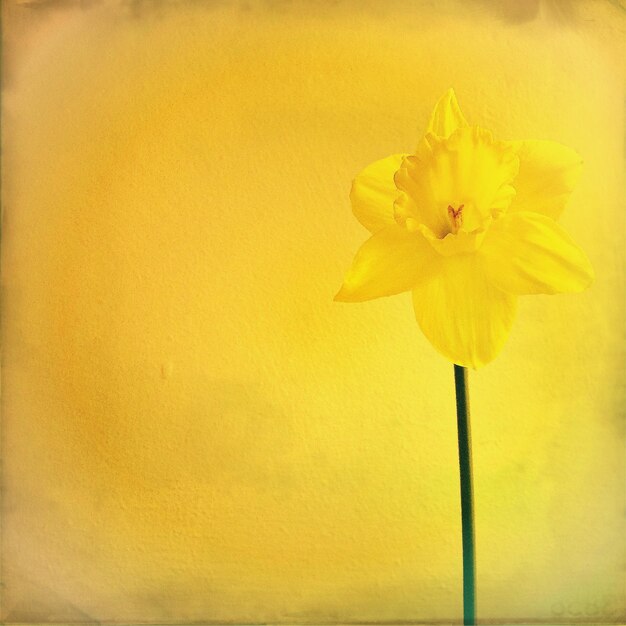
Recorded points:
(192,429)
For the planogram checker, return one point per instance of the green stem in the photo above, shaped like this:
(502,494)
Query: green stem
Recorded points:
(467,505)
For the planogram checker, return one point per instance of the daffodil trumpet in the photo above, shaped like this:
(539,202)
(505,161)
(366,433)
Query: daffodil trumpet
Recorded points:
(466,223)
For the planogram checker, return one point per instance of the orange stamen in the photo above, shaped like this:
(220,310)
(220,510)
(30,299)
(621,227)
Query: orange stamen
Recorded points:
(456,217)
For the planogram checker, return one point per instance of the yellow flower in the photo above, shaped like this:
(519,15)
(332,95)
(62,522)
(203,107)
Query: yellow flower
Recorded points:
(468,224)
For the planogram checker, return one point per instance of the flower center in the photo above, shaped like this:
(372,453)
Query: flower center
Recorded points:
(455,217)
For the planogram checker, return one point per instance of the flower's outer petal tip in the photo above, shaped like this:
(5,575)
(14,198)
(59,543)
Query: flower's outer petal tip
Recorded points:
(529,253)
(446,116)
(373,193)
(465,318)
(342,295)
(473,361)
(447,96)
(470,365)
(549,172)
(390,262)
(349,293)
(587,268)
(450,96)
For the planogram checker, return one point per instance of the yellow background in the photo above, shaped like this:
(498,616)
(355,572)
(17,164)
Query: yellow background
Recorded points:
(192,429)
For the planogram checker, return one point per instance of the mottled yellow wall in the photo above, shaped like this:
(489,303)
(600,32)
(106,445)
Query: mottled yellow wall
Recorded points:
(192,429)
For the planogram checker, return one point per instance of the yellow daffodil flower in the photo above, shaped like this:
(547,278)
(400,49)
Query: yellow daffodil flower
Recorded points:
(467,223)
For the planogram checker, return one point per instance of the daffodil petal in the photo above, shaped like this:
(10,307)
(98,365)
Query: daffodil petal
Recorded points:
(391,261)
(446,116)
(529,253)
(464,316)
(374,192)
(547,175)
